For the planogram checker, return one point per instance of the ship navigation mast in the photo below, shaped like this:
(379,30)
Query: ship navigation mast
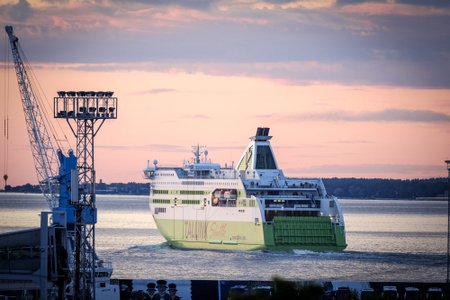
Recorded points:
(198,151)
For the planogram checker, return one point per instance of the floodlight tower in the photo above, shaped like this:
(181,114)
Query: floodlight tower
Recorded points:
(85,112)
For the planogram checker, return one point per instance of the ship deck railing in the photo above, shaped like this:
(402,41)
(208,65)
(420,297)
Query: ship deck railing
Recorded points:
(275,188)
(286,197)
(294,207)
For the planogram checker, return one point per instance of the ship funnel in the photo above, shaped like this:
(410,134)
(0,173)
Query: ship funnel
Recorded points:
(258,155)
(262,134)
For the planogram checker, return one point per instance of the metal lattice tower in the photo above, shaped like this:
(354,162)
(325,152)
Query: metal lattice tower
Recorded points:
(87,111)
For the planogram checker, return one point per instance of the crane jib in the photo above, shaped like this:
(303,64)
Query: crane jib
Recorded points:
(43,151)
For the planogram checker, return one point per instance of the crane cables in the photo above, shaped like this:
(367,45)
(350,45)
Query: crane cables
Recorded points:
(44,105)
(6,113)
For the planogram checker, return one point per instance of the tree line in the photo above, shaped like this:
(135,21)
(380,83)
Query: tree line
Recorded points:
(377,188)
(360,188)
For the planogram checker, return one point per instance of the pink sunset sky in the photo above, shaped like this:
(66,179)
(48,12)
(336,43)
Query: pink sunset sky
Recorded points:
(348,88)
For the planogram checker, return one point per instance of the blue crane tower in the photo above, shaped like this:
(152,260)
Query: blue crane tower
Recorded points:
(68,180)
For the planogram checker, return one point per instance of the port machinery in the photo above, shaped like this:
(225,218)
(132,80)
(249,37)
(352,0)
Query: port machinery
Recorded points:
(68,184)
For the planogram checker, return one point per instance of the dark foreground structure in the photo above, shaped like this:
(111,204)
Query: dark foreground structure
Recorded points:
(235,290)
(281,289)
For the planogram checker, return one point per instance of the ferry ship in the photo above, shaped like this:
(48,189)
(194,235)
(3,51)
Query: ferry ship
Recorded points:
(248,207)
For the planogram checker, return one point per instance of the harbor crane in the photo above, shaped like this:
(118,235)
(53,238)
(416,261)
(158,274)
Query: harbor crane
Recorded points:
(44,153)
(67,180)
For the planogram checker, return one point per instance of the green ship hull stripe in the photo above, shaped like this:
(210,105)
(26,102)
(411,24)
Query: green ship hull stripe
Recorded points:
(284,233)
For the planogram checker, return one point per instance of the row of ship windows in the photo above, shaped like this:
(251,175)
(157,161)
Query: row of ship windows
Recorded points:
(198,183)
(224,183)
(232,203)
(160,192)
(193,193)
(187,182)
(183,192)
(160,210)
(193,202)
(168,201)
(161,201)
(164,174)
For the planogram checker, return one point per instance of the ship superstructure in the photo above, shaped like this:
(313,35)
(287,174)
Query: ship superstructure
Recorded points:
(252,206)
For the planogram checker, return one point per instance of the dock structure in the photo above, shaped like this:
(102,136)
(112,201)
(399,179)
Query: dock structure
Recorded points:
(34,261)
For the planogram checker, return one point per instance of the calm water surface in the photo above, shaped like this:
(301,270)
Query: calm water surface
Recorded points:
(388,240)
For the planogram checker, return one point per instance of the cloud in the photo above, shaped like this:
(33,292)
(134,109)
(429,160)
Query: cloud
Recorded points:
(352,142)
(345,43)
(146,147)
(165,147)
(21,11)
(226,148)
(294,68)
(387,115)
(156,91)
(197,116)
(195,4)
(396,9)
(383,72)
(291,4)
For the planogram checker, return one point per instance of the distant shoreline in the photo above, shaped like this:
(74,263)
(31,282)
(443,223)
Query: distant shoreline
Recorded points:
(2,192)
(343,188)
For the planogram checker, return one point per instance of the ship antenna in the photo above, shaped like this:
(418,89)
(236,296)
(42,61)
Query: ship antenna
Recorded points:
(197,153)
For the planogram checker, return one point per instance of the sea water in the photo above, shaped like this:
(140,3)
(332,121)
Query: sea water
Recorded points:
(388,240)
